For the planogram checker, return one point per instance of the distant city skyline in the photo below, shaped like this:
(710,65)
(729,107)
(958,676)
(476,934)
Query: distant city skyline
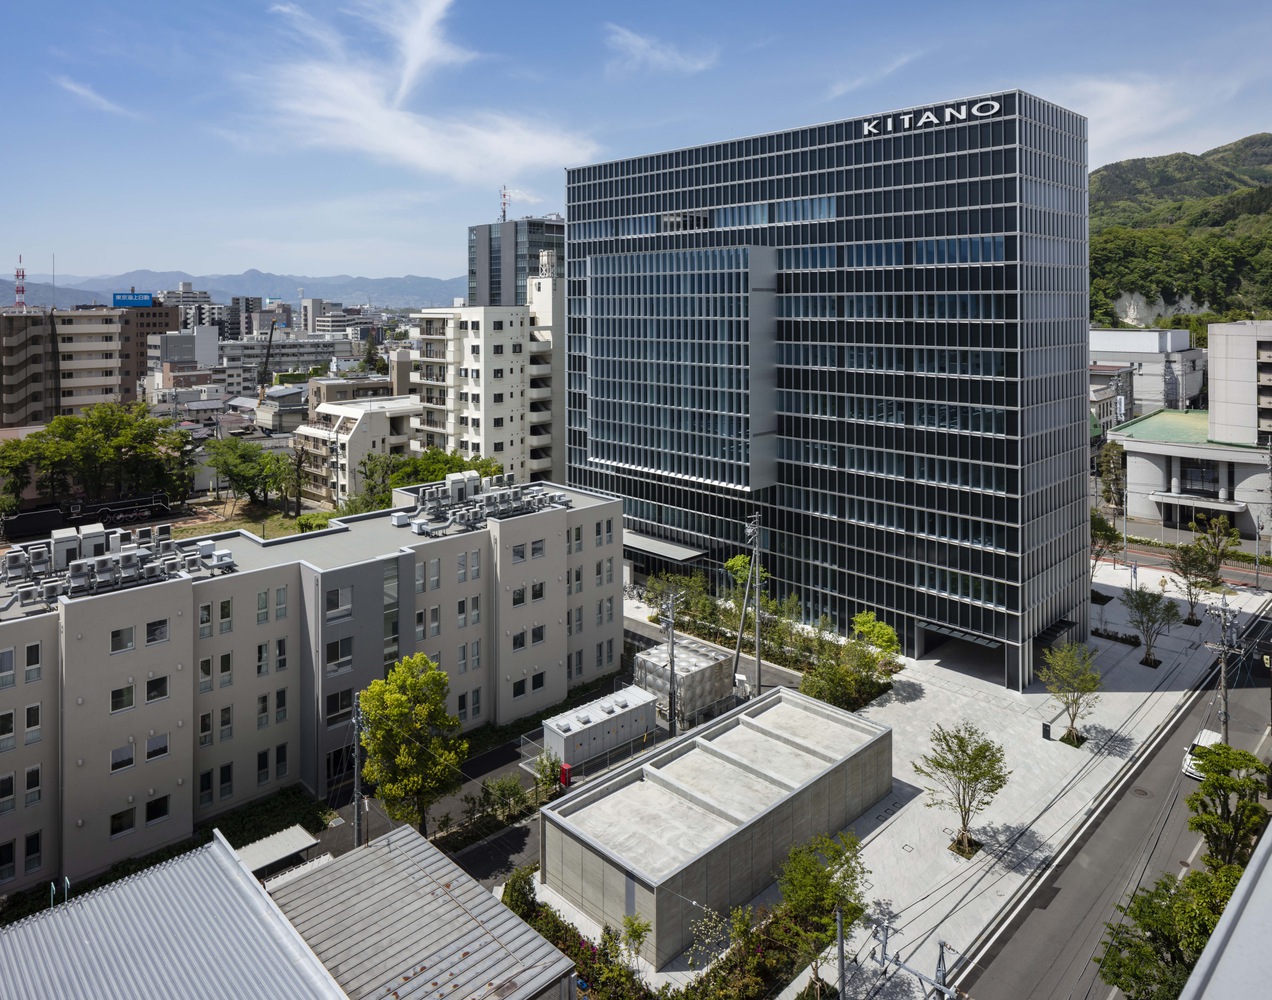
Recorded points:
(364,137)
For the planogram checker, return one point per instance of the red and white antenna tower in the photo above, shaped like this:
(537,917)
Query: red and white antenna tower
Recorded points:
(19,285)
(503,203)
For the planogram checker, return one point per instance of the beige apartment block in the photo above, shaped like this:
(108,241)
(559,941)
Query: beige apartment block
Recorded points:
(147,685)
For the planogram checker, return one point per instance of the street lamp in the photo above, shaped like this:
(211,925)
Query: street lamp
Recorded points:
(1258,544)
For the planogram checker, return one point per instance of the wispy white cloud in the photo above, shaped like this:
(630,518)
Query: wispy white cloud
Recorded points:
(351,99)
(519,197)
(87,95)
(866,79)
(635,53)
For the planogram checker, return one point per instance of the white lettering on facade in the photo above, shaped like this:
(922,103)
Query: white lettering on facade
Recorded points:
(951,113)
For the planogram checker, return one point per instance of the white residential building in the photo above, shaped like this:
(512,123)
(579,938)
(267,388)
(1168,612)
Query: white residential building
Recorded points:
(1169,374)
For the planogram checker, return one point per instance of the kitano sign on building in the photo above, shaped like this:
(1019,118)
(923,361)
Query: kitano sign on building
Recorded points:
(943,116)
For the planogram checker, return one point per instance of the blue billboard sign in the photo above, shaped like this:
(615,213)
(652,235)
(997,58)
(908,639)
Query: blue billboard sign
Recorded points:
(132,300)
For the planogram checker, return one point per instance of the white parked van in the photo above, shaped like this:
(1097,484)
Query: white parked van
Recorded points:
(1205,738)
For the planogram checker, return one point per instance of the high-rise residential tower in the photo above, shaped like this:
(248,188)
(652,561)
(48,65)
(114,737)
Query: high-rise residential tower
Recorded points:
(872,333)
(502,255)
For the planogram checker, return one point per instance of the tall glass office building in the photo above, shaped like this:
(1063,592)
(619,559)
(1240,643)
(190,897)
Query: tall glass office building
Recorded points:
(874,334)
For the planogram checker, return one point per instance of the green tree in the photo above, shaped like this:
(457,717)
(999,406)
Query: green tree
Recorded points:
(433,465)
(518,892)
(1192,569)
(375,472)
(1105,540)
(413,745)
(240,463)
(547,774)
(967,771)
(1225,808)
(1151,614)
(1150,954)
(846,675)
(817,878)
(635,933)
(1216,540)
(1071,678)
(876,634)
(1112,471)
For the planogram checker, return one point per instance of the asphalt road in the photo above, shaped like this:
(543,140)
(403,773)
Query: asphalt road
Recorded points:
(1047,953)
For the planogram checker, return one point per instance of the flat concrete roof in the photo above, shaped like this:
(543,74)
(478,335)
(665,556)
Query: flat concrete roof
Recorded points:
(1169,426)
(658,813)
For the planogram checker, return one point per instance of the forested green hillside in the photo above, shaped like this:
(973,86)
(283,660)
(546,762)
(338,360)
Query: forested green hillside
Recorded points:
(1184,225)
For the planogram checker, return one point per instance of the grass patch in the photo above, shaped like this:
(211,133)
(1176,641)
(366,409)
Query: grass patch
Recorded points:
(1151,661)
(224,515)
(490,736)
(1068,739)
(239,826)
(969,852)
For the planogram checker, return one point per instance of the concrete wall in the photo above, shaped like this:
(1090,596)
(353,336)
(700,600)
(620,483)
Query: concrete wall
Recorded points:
(1234,388)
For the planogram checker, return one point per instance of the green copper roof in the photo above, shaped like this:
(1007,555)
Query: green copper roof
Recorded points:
(1172,427)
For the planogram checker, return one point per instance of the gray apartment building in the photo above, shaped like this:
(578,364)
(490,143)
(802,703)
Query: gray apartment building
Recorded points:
(147,684)
(872,333)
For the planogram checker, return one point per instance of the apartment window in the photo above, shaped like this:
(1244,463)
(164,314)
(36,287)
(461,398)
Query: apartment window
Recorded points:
(280,603)
(121,640)
(600,572)
(609,652)
(205,674)
(578,538)
(32,724)
(33,785)
(227,669)
(34,856)
(123,822)
(536,681)
(578,619)
(461,658)
(226,615)
(7,802)
(262,767)
(434,574)
(262,711)
(227,722)
(578,579)
(419,626)
(475,608)
(474,565)
(519,688)
(7,863)
(157,810)
(600,612)
(516,349)
(157,746)
(461,561)
(262,607)
(519,640)
(280,760)
(205,621)
(280,705)
(536,549)
(476,703)
(419,578)
(205,788)
(262,659)
(519,553)
(600,535)
(499,421)
(462,614)
(497,373)
(474,649)
(609,570)
(461,707)
(499,446)
(121,698)
(339,603)
(6,668)
(435,620)
(339,655)
(519,597)
(32,663)
(578,662)
(156,631)
(536,635)
(121,758)
(339,707)
(600,655)
(609,609)
(227,780)
(205,729)
(157,688)
(280,655)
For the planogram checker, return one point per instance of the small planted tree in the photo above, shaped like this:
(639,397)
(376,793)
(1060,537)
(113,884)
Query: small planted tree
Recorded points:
(1112,471)
(1104,541)
(1071,678)
(1191,567)
(967,771)
(1217,540)
(1151,614)
(635,932)
(547,774)
(1226,809)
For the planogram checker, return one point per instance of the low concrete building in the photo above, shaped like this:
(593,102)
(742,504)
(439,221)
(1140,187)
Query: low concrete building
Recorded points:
(1169,373)
(708,818)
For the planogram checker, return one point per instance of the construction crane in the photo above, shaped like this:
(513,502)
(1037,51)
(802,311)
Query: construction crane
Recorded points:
(262,377)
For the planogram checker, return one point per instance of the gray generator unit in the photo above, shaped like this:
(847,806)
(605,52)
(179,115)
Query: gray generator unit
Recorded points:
(704,676)
(600,726)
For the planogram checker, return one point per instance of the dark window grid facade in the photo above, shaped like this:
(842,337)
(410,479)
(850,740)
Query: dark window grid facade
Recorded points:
(931,340)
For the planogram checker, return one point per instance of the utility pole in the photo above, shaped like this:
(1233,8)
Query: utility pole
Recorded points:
(753,536)
(669,622)
(839,935)
(937,983)
(357,771)
(1227,618)
(1258,544)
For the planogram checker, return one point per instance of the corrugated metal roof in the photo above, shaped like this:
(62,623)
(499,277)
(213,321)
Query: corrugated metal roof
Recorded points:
(399,916)
(196,926)
(264,852)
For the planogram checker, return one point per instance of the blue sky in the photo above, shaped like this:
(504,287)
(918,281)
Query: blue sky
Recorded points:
(364,136)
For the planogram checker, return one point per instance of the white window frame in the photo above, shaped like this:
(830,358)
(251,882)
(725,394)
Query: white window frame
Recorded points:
(280,603)
(160,631)
(121,640)
(344,603)
(167,689)
(122,758)
(153,745)
(226,718)
(131,691)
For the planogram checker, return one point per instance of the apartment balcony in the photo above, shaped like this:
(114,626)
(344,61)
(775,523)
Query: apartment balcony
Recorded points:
(539,464)
(539,345)
(20,377)
(87,398)
(428,422)
(86,340)
(434,400)
(428,379)
(538,391)
(88,363)
(20,355)
(1264,352)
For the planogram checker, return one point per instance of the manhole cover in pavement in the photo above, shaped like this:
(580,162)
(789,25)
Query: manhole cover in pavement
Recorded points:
(1143,793)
